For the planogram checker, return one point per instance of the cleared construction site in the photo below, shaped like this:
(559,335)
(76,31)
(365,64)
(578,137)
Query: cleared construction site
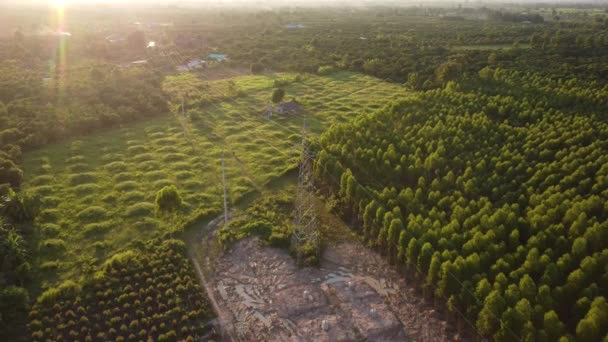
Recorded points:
(353,296)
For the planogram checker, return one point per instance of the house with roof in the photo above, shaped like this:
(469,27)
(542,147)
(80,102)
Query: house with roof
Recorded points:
(192,65)
(196,64)
(292,107)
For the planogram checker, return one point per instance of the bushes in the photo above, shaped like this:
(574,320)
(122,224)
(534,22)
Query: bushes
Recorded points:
(277,95)
(143,209)
(50,229)
(86,189)
(167,200)
(126,186)
(66,289)
(268,217)
(54,245)
(82,178)
(117,166)
(120,260)
(97,228)
(257,68)
(93,213)
(10,173)
(326,70)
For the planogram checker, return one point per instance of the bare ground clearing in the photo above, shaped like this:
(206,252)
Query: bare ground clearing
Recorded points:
(353,296)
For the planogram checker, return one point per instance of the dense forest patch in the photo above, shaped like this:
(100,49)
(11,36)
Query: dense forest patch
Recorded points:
(497,204)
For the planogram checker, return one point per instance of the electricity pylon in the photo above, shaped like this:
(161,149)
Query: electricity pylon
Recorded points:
(305,225)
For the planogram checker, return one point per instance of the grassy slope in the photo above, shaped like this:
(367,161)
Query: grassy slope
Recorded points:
(99,190)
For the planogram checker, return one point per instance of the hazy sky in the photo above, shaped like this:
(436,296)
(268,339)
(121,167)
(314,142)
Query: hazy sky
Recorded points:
(286,2)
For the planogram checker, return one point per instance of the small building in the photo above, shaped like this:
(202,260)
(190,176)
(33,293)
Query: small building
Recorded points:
(291,107)
(192,65)
(217,57)
(196,64)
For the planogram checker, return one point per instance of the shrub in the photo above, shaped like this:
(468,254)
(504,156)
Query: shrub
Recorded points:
(109,198)
(126,186)
(42,180)
(167,200)
(149,165)
(67,289)
(116,166)
(97,228)
(140,209)
(278,239)
(181,175)
(174,157)
(121,260)
(86,189)
(51,265)
(80,167)
(50,229)
(133,196)
(75,159)
(257,68)
(155,175)
(143,157)
(137,149)
(43,190)
(277,95)
(54,244)
(82,178)
(94,213)
(326,70)
(49,215)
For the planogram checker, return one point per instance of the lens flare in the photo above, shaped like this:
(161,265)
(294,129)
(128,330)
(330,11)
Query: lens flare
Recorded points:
(58,61)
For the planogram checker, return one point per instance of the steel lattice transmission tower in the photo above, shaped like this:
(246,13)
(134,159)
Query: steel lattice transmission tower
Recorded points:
(305,225)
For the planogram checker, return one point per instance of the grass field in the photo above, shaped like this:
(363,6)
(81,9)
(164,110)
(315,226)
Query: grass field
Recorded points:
(98,191)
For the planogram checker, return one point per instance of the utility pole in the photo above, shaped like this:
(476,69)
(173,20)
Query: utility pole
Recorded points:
(224,185)
(306,226)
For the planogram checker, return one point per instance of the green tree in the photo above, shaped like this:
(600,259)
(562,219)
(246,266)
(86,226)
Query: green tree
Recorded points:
(168,200)
(527,287)
(394,231)
(14,306)
(553,325)
(257,68)
(493,307)
(277,95)
(595,323)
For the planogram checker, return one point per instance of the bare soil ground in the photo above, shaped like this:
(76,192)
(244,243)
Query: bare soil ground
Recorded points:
(353,296)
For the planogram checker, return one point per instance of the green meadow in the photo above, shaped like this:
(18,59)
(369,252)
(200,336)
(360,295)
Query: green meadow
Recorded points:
(98,191)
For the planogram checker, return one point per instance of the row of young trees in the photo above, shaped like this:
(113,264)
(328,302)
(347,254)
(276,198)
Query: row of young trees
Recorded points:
(495,203)
(146,292)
